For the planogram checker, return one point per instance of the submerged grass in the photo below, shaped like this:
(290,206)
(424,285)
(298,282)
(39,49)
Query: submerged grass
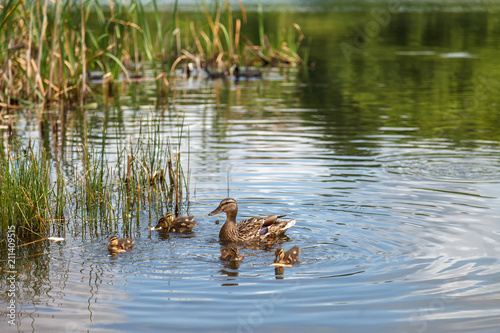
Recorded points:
(99,196)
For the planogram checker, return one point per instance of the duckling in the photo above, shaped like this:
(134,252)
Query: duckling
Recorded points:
(245,75)
(216,75)
(287,257)
(251,229)
(179,224)
(119,245)
(230,253)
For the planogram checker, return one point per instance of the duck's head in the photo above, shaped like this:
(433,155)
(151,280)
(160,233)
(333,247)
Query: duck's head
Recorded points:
(235,253)
(165,222)
(113,241)
(231,252)
(279,254)
(226,205)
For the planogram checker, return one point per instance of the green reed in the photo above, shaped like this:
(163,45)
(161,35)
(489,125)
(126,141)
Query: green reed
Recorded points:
(215,39)
(47,49)
(29,199)
(283,48)
(99,196)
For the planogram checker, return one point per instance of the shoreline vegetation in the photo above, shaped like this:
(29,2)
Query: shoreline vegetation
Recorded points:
(40,195)
(48,51)
(51,55)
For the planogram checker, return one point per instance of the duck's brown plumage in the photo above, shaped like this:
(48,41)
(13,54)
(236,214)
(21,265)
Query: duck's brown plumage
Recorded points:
(116,244)
(230,253)
(179,224)
(251,229)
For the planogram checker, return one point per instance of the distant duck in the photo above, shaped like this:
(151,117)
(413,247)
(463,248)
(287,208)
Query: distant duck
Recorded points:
(230,253)
(251,229)
(245,75)
(287,257)
(93,76)
(189,69)
(216,75)
(179,224)
(116,244)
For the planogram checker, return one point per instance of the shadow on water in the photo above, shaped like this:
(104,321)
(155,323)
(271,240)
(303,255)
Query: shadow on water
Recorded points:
(388,162)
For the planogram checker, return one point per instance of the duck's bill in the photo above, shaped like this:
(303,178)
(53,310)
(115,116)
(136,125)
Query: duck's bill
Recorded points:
(156,228)
(216,211)
(55,239)
(280,265)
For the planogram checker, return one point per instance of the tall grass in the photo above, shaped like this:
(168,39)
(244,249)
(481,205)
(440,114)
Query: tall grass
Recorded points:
(47,49)
(99,196)
(216,39)
(29,199)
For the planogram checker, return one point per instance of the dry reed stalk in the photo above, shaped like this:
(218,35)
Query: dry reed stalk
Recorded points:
(243,11)
(178,35)
(129,169)
(268,46)
(173,182)
(301,34)
(231,28)
(84,51)
(196,39)
(237,35)
(38,80)
(256,50)
(53,50)
(28,53)
(214,27)
(10,83)
(177,61)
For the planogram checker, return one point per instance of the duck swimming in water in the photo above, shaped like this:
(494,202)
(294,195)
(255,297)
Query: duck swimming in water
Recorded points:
(245,75)
(230,253)
(116,244)
(287,257)
(179,224)
(252,229)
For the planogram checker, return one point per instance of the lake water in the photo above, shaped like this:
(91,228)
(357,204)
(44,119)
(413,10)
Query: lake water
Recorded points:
(386,152)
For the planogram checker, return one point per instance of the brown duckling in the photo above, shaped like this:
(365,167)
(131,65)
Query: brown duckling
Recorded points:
(288,257)
(116,244)
(230,253)
(179,224)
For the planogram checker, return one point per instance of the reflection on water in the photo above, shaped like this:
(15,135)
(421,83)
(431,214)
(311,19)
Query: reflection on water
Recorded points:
(390,165)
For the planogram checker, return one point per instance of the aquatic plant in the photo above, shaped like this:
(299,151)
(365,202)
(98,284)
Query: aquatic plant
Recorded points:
(50,51)
(282,49)
(216,39)
(29,198)
(98,196)
(49,48)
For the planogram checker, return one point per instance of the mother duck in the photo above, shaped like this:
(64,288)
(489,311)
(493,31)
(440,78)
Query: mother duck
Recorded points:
(251,229)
